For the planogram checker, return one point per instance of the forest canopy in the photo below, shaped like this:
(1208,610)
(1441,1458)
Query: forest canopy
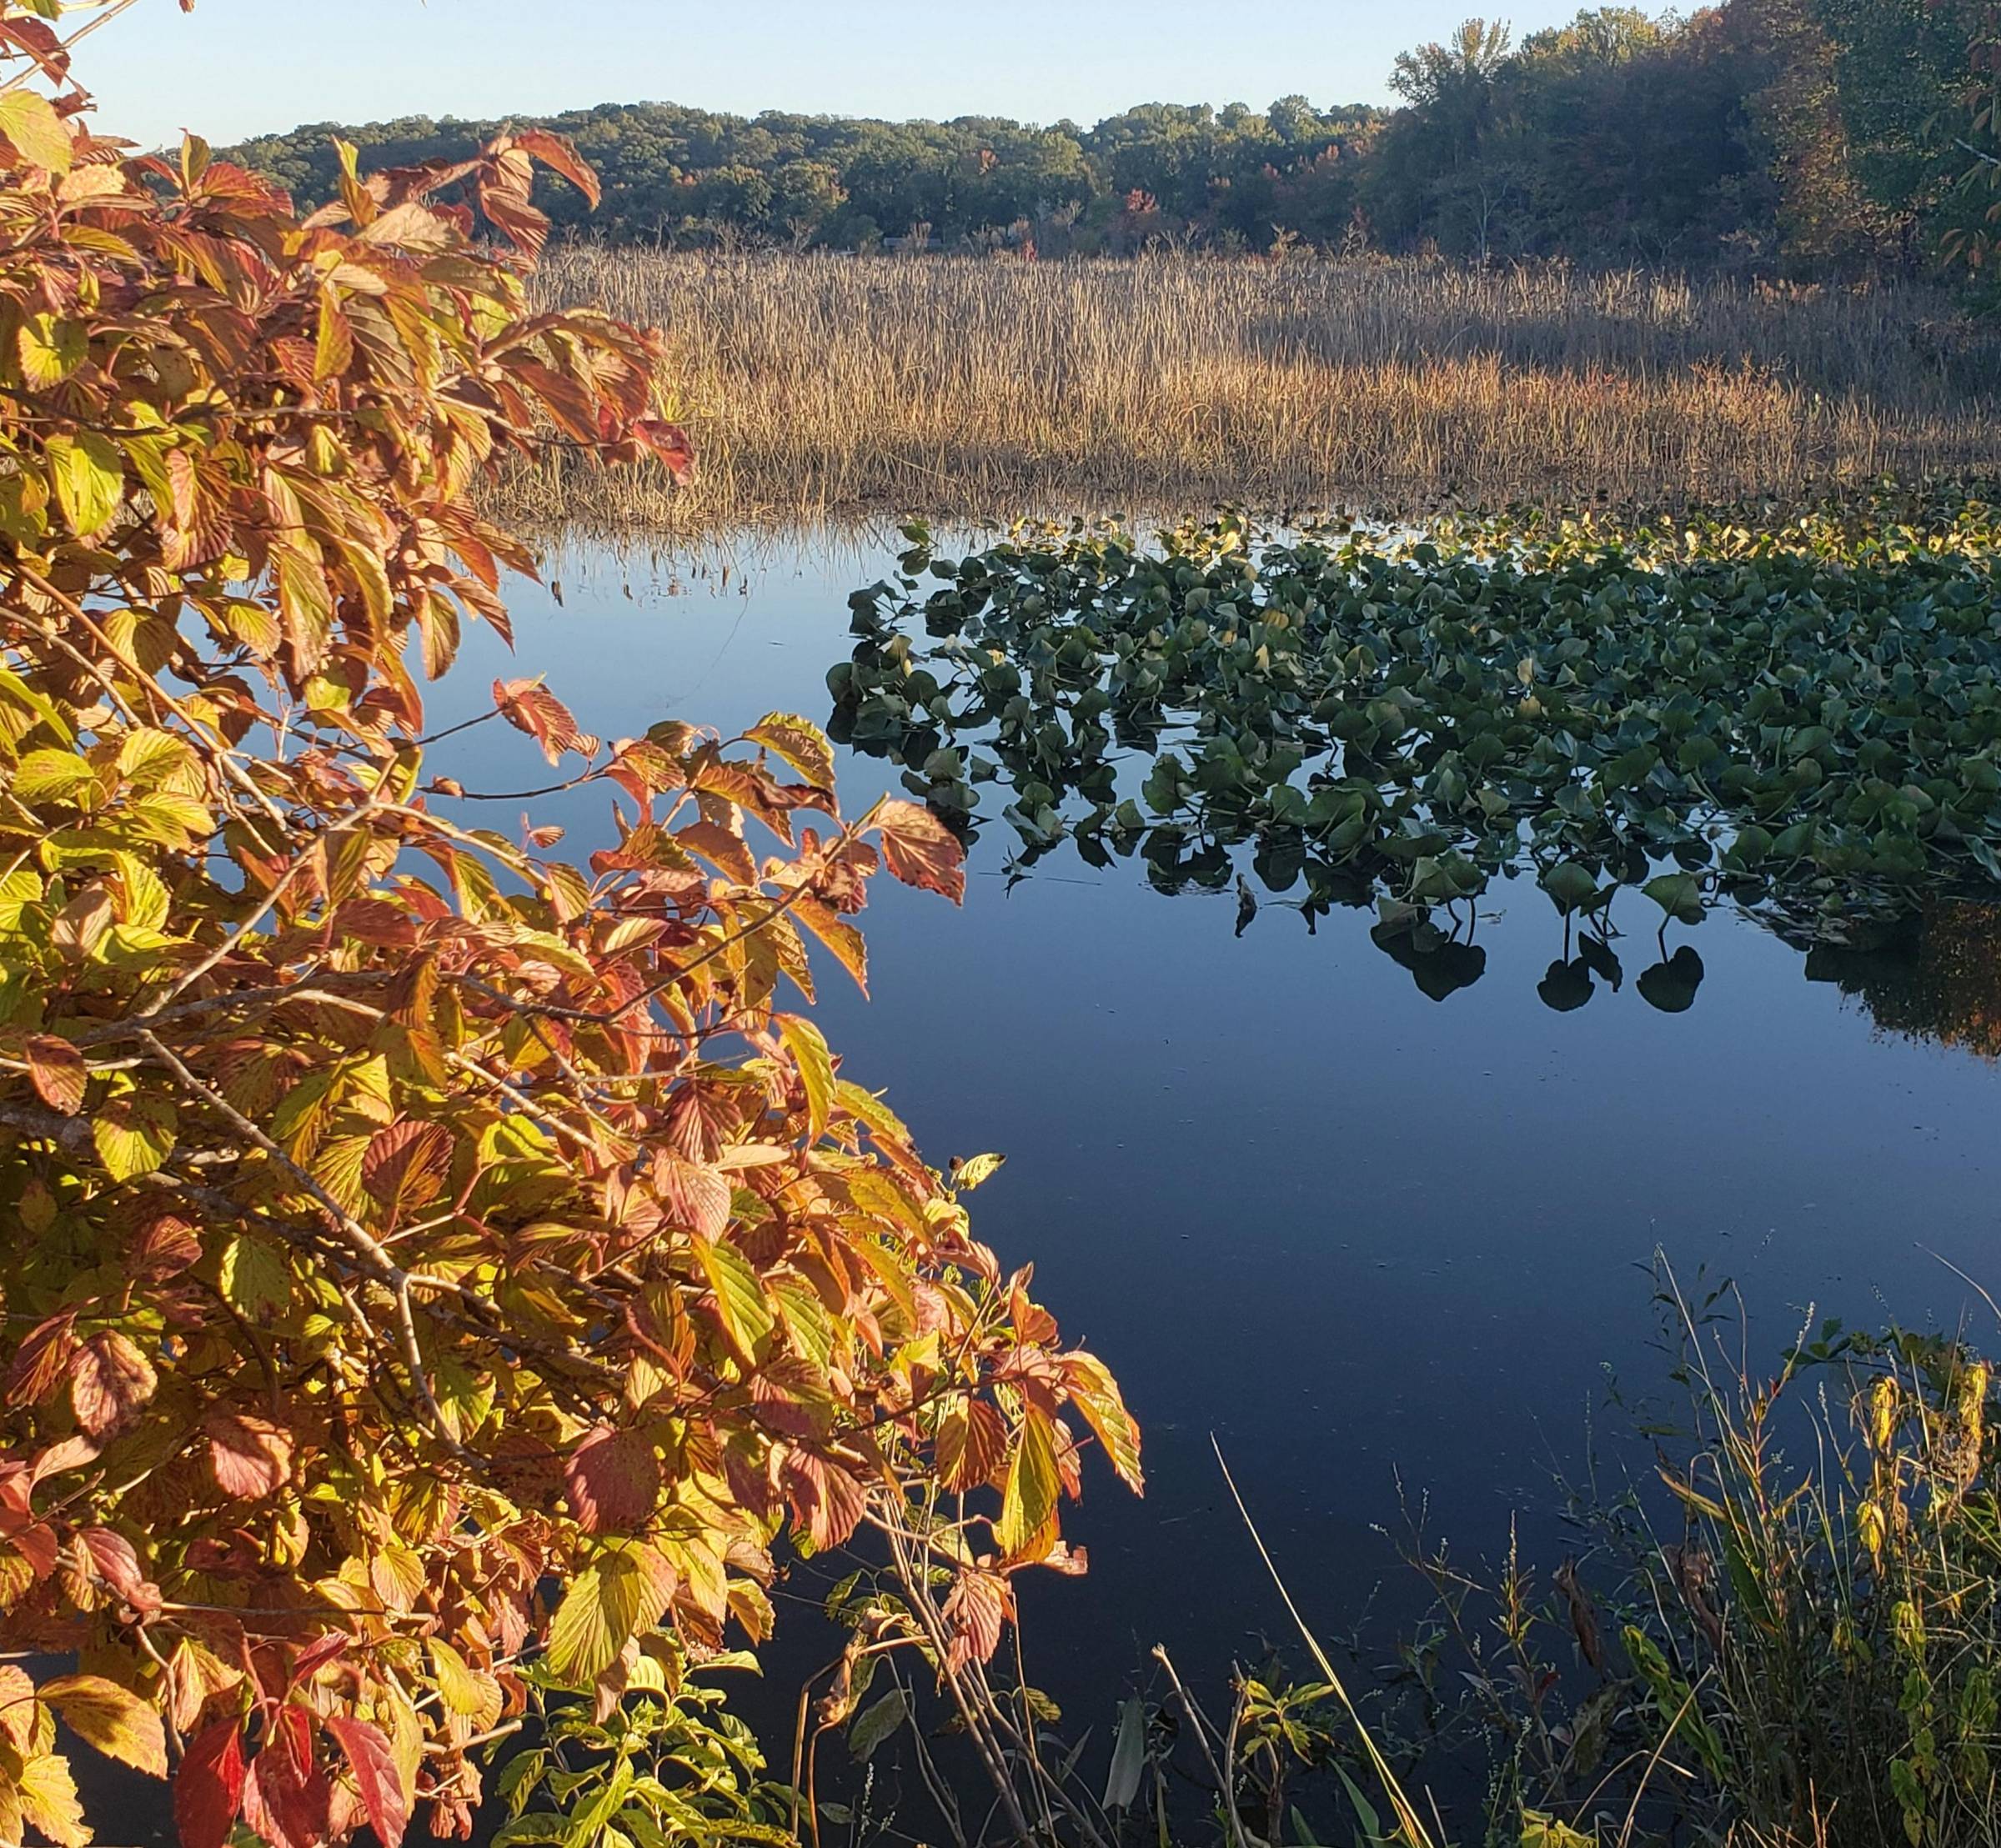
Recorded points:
(1806,137)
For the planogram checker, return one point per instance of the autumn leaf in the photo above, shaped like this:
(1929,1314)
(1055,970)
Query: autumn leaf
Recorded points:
(133,1134)
(740,1307)
(109,1380)
(256,1281)
(88,475)
(972,1444)
(799,742)
(35,131)
(1096,1394)
(250,1456)
(369,1757)
(58,1071)
(530,706)
(921,850)
(47,1792)
(1029,1504)
(613,1479)
(600,1609)
(113,1718)
(814,1063)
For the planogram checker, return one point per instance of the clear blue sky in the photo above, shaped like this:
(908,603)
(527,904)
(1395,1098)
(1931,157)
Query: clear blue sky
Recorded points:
(236,67)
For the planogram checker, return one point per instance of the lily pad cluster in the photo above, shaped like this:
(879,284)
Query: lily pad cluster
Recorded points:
(1799,712)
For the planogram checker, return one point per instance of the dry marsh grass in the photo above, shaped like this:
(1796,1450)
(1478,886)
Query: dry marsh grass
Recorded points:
(819,386)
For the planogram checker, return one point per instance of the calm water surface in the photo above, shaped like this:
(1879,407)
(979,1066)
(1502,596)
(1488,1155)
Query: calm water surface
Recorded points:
(1361,1237)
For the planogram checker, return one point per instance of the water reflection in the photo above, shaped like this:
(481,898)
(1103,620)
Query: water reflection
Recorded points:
(1933,976)
(1293,1200)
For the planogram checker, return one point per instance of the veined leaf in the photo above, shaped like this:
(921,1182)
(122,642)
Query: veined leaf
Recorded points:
(1029,1505)
(739,1297)
(599,1612)
(815,1063)
(113,1718)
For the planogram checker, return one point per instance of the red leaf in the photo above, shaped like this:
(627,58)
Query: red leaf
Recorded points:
(109,1380)
(829,1500)
(251,1456)
(559,152)
(613,1479)
(921,850)
(978,1607)
(669,445)
(368,1752)
(58,1073)
(695,1196)
(972,1444)
(406,1165)
(208,1788)
(40,1359)
(530,706)
(114,1561)
(165,1247)
(287,1799)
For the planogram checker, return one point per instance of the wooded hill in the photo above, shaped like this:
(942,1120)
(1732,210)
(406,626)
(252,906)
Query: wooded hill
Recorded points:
(1798,137)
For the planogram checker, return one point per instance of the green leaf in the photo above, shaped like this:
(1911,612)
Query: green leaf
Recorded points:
(256,1280)
(874,1724)
(1679,895)
(29,121)
(815,1063)
(133,1134)
(598,1613)
(1572,887)
(88,474)
(1128,1755)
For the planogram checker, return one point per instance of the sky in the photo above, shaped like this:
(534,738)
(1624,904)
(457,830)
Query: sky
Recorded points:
(237,68)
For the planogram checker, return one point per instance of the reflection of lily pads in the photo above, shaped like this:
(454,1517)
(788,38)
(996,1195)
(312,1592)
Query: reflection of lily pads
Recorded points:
(1671,986)
(1439,965)
(1599,958)
(1566,987)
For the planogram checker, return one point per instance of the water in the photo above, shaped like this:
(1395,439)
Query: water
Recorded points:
(1361,1237)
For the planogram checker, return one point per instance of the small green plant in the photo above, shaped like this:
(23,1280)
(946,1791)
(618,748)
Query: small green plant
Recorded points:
(1802,1647)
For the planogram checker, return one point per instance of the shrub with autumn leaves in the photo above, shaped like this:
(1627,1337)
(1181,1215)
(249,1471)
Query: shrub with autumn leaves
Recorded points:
(436,1277)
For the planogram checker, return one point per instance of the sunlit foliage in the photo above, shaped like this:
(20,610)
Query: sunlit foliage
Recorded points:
(437,1277)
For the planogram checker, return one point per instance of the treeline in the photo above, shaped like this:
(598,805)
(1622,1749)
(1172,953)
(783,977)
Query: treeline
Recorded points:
(1802,136)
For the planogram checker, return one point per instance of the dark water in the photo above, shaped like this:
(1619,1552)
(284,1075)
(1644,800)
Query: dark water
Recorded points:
(1359,1235)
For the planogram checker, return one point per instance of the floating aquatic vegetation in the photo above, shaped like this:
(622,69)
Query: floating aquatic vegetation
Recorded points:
(1798,713)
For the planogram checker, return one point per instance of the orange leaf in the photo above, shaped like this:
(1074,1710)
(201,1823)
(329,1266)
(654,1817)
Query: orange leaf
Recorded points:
(921,850)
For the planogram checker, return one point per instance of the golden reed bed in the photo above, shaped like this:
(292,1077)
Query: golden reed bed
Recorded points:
(819,386)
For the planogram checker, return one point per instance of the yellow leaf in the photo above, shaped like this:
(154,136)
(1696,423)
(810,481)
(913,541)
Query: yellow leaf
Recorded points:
(51,349)
(815,1063)
(31,124)
(969,1174)
(47,1794)
(598,1613)
(87,474)
(113,1718)
(1028,1508)
(739,1297)
(458,1686)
